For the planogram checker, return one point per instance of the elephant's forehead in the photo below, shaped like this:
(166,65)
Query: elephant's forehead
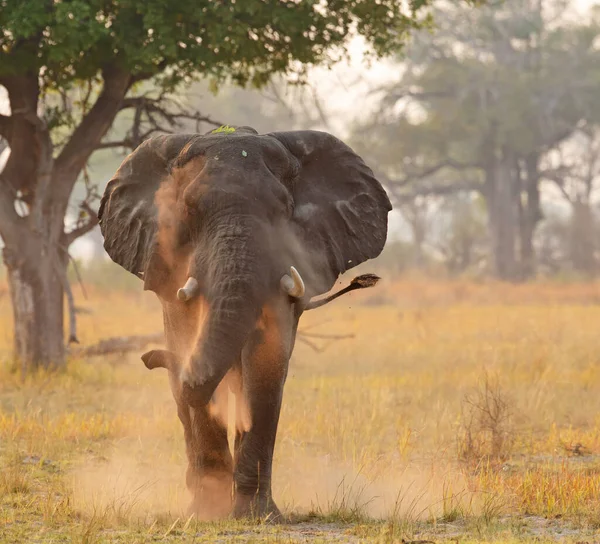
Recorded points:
(214,181)
(237,151)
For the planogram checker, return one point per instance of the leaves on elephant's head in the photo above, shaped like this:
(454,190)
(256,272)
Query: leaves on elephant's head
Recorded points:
(223,128)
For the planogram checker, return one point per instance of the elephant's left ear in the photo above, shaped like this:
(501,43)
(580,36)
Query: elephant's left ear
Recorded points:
(128,213)
(340,209)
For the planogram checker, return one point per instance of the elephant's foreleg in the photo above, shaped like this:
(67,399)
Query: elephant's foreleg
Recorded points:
(209,476)
(264,368)
(254,456)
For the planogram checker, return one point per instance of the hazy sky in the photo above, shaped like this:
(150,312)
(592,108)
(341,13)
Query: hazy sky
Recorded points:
(341,92)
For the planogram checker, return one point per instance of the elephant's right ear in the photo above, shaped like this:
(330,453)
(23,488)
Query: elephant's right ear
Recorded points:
(128,214)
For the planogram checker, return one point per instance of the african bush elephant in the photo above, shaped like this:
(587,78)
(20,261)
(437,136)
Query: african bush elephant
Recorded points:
(235,232)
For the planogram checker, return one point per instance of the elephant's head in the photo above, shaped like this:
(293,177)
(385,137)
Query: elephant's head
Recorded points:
(232,219)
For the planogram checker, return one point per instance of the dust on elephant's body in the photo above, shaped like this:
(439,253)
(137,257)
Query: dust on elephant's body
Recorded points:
(235,232)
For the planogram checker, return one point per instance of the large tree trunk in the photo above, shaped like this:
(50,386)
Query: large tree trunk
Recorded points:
(36,291)
(35,243)
(529,217)
(502,217)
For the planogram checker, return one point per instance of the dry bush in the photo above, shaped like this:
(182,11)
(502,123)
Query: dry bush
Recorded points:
(486,432)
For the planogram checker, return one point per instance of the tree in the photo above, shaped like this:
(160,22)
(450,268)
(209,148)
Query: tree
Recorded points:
(71,67)
(574,169)
(478,106)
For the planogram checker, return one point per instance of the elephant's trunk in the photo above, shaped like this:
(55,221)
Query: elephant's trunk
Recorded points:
(235,291)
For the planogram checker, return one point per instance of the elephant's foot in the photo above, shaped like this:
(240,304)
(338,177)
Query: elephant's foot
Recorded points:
(212,497)
(256,507)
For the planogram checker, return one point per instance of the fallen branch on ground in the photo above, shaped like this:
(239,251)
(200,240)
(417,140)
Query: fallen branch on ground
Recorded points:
(126,344)
(119,344)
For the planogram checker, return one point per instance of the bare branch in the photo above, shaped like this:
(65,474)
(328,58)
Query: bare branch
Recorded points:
(120,345)
(326,336)
(310,344)
(127,144)
(430,171)
(557,176)
(82,230)
(155,115)
(83,227)
(431,189)
(89,133)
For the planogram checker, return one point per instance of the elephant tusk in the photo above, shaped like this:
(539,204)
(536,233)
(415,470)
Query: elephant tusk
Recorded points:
(293,285)
(190,290)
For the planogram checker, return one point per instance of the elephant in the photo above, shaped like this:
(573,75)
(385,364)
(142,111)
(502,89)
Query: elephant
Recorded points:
(238,233)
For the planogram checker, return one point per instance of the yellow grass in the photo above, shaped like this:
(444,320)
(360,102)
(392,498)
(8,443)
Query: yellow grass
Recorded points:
(372,440)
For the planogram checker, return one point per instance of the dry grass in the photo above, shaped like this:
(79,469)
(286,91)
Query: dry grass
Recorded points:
(372,436)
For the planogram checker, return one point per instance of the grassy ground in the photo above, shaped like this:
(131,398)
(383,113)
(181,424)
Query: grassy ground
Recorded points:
(459,411)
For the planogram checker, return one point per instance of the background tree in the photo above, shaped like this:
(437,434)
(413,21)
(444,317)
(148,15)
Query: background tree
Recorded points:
(573,169)
(71,68)
(478,106)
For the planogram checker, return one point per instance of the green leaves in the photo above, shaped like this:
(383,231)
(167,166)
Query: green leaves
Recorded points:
(70,40)
(223,128)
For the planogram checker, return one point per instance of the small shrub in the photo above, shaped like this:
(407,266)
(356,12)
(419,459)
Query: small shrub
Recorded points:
(486,431)
(14,479)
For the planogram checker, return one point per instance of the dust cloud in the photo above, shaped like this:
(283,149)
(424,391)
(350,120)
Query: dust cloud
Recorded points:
(141,473)
(123,489)
(143,476)
(412,491)
(126,488)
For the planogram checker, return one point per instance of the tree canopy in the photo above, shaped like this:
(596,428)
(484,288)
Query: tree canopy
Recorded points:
(70,40)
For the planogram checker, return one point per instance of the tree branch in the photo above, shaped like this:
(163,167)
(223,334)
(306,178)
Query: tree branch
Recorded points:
(557,138)
(430,171)
(83,227)
(557,176)
(436,190)
(119,344)
(88,135)
(80,231)
(155,115)
(127,144)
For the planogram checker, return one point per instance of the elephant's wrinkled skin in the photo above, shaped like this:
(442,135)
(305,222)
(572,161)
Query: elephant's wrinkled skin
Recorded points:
(235,232)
